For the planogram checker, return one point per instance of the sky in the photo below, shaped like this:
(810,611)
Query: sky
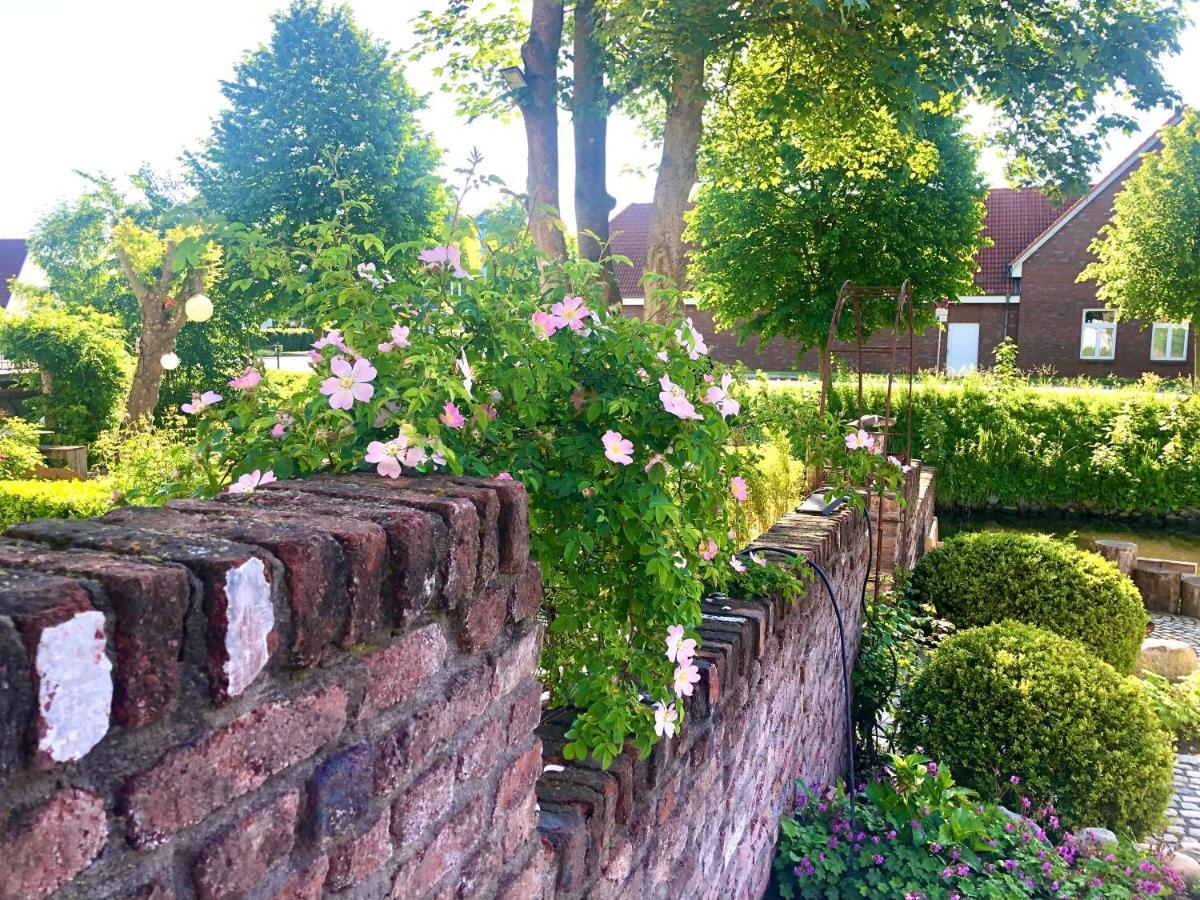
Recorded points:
(106,85)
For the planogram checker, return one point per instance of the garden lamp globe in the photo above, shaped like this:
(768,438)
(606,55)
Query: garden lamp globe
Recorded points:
(198,308)
(169,362)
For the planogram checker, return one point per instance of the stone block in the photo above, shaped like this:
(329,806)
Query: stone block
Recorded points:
(1189,596)
(1169,658)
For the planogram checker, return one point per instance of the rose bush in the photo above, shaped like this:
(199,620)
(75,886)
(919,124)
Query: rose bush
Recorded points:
(619,430)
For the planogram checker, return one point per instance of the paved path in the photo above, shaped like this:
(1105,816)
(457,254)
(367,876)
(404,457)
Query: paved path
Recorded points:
(1184,808)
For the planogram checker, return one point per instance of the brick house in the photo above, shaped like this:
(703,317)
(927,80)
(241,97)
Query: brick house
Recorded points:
(1026,288)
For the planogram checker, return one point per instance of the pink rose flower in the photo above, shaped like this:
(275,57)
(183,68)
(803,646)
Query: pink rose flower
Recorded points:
(719,397)
(736,564)
(399,339)
(665,718)
(349,383)
(247,381)
(737,486)
(691,340)
(708,548)
(572,312)
(616,448)
(859,440)
(331,339)
(251,480)
(680,650)
(686,675)
(386,456)
(449,257)
(504,476)
(675,401)
(451,417)
(545,323)
(201,402)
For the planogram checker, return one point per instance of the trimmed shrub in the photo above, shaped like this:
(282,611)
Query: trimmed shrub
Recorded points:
(21,501)
(19,454)
(985,577)
(83,368)
(291,339)
(1004,441)
(1011,699)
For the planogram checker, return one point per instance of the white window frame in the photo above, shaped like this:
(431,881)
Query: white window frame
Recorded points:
(1086,328)
(1170,328)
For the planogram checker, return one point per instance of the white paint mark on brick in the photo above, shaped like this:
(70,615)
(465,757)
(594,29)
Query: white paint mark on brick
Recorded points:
(251,620)
(75,687)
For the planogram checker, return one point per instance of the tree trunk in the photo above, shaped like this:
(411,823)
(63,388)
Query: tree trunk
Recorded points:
(148,374)
(676,174)
(590,106)
(162,320)
(539,108)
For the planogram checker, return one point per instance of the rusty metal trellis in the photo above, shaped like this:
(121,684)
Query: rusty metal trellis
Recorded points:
(856,297)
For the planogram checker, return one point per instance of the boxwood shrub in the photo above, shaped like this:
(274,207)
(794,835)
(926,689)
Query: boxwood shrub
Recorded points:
(985,577)
(1013,700)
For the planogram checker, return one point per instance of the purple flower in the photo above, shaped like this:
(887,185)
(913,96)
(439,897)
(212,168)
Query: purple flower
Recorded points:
(877,859)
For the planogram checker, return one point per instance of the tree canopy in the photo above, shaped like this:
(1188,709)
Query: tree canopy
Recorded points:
(777,229)
(321,93)
(1148,255)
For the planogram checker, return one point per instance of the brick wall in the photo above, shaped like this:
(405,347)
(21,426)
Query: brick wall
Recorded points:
(322,689)
(327,688)
(1053,302)
(699,817)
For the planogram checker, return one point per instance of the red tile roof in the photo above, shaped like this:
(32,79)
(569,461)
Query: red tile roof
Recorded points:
(12,257)
(1014,218)
(629,230)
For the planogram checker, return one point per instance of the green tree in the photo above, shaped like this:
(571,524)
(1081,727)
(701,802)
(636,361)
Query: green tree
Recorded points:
(77,244)
(322,92)
(1148,255)
(774,244)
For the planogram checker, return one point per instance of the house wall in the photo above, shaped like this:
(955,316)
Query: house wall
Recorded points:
(1052,305)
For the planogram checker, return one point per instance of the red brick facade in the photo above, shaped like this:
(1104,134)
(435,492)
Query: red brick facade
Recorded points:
(1042,310)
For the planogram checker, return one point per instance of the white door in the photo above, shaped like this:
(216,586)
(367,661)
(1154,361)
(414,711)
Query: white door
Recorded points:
(962,347)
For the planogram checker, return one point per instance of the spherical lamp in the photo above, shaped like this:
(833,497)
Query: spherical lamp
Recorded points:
(169,362)
(198,308)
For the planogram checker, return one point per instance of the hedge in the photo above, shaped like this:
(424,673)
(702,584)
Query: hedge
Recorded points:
(291,339)
(1001,441)
(1013,700)
(21,501)
(985,577)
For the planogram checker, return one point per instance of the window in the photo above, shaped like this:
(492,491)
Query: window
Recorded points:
(1099,337)
(1168,342)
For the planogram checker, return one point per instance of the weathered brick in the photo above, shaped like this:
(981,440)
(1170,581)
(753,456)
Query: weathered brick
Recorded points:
(519,777)
(311,560)
(487,507)
(458,515)
(477,877)
(518,658)
(46,847)
(565,837)
(61,694)
(363,543)
(454,841)
(527,592)
(417,543)
(514,519)
(339,792)
(396,671)
(308,883)
(357,860)
(516,827)
(481,750)
(239,599)
(148,603)
(526,883)
(526,712)
(192,781)
(237,859)
(422,804)
(481,618)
